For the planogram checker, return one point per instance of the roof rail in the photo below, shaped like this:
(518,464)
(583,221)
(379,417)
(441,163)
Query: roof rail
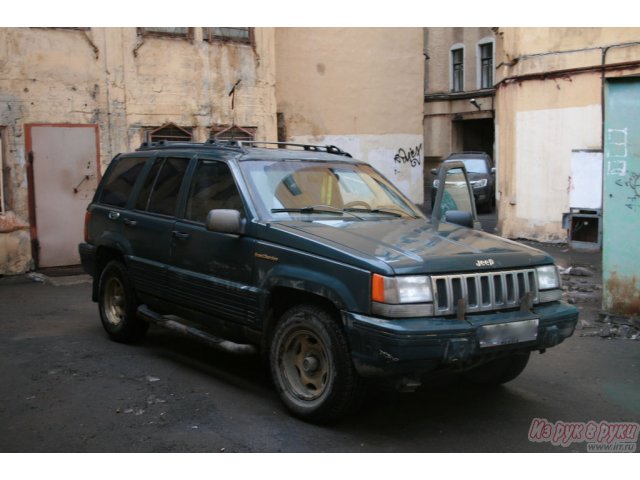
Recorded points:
(161,144)
(311,148)
(239,145)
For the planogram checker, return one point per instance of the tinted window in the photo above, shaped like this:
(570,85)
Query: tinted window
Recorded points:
(142,202)
(164,193)
(117,187)
(212,187)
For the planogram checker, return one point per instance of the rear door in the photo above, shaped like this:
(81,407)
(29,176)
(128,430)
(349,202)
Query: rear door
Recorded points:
(211,272)
(148,223)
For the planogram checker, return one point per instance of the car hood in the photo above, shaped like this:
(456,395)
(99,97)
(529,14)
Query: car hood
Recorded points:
(414,246)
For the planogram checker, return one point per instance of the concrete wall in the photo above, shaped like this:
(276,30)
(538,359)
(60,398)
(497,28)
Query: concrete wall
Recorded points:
(360,89)
(122,82)
(548,103)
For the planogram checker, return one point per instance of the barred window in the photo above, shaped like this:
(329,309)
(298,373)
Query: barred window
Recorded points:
(170,132)
(236,34)
(234,132)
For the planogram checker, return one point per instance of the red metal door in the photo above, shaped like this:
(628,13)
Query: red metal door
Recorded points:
(64,169)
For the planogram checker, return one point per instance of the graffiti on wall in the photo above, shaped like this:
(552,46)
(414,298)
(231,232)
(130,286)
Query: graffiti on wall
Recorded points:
(411,156)
(632,182)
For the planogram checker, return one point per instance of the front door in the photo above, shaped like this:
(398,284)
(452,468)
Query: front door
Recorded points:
(64,162)
(213,270)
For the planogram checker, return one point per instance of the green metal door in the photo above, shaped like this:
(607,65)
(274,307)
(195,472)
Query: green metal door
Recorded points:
(621,204)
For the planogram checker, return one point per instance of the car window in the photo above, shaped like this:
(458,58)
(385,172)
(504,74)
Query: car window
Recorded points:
(475,165)
(212,187)
(162,186)
(122,178)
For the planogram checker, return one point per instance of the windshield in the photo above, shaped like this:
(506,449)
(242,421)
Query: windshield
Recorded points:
(475,165)
(288,189)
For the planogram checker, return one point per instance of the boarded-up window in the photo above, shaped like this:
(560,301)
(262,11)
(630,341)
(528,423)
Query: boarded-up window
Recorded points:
(235,34)
(225,132)
(170,132)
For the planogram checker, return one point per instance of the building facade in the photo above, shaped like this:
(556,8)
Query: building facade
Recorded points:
(72,98)
(568,144)
(358,89)
(459,94)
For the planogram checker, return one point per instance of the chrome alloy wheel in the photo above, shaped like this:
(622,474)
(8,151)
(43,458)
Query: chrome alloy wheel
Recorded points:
(113,301)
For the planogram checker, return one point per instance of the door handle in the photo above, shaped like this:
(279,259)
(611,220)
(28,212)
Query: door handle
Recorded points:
(180,235)
(114,215)
(129,223)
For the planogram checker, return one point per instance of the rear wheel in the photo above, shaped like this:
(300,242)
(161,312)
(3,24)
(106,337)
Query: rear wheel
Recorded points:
(499,371)
(311,365)
(118,305)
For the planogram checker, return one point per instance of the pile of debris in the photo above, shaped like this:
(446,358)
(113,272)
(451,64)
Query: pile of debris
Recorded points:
(580,285)
(619,327)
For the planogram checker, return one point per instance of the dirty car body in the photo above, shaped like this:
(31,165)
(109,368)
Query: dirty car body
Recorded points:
(320,262)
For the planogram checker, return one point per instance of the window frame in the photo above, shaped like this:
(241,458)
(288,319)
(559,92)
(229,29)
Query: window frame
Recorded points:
(148,133)
(149,32)
(211,38)
(456,74)
(217,130)
(484,42)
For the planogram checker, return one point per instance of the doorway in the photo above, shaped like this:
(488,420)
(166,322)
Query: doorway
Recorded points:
(63,170)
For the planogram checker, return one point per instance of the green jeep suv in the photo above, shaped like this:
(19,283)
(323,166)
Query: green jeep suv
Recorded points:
(316,260)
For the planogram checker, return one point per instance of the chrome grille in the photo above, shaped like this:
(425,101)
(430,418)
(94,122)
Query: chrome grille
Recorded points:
(483,291)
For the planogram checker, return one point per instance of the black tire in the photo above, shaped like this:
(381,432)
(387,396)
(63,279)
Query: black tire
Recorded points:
(499,371)
(118,305)
(311,365)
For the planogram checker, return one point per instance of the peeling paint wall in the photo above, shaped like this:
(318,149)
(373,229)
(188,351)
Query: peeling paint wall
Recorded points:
(549,103)
(360,89)
(122,82)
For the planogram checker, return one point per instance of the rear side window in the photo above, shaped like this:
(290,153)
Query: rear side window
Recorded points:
(212,187)
(160,191)
(117,187)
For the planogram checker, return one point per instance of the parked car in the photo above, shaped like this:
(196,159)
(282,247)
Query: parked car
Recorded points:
(481,172)
(317,261)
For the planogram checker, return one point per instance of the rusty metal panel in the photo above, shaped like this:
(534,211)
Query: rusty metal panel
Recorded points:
(621,222)
(64,180)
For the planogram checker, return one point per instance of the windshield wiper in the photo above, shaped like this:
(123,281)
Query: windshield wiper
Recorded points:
(395,213)
(324,209)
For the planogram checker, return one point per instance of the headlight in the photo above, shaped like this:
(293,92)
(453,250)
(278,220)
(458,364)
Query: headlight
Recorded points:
(548,277)
(436,183)
(479,183)
(395,290)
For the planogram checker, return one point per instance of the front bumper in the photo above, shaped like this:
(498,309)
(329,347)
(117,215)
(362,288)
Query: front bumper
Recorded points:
(390,348)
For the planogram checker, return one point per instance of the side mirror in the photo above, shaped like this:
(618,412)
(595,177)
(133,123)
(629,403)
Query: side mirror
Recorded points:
(434,171)
(459,217)
(225,221)
(493,170)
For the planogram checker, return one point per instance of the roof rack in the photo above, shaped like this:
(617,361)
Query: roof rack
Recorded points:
(240,145)
(311,148)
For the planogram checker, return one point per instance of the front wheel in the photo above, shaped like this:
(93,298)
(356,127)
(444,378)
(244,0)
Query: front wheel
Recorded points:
(311,365)
(118,305)
(499,371)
